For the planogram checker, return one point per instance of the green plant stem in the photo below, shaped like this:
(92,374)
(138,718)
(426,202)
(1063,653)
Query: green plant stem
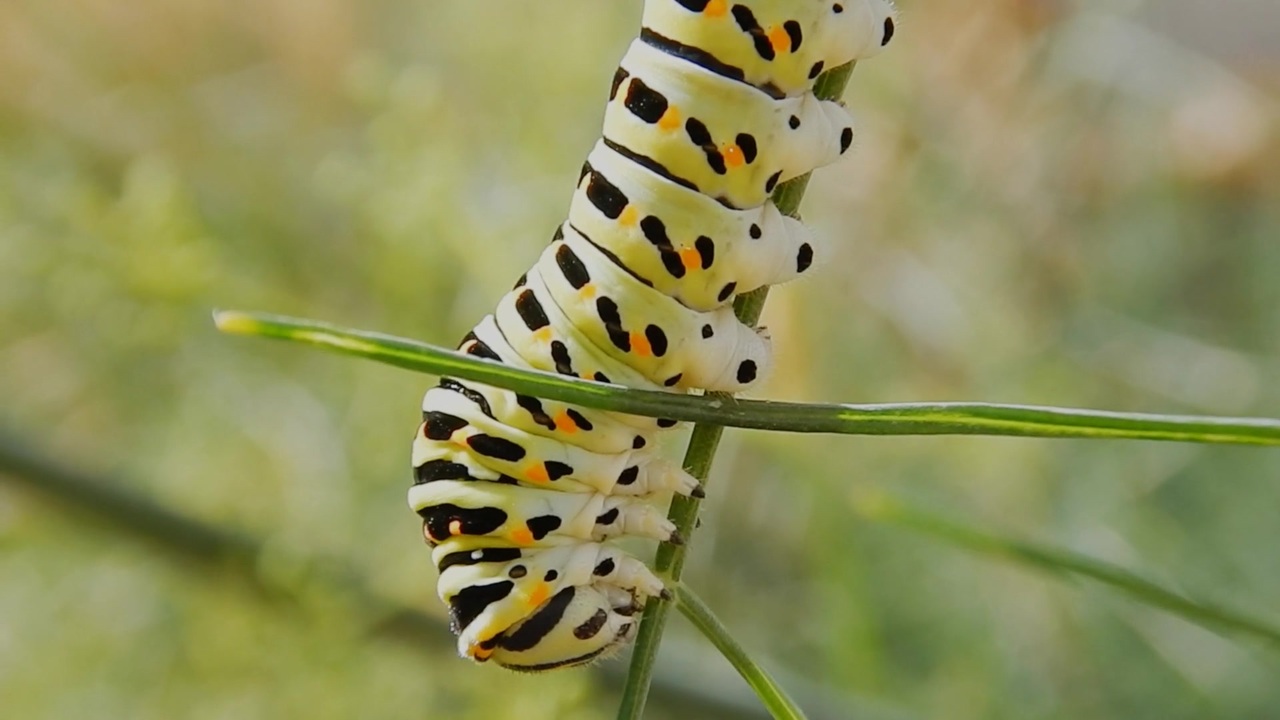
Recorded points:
(669,560)
(775,699)
(955,418)
(881,508)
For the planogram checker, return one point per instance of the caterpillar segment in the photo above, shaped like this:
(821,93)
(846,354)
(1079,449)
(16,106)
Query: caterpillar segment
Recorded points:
(620,332)
(777,46)
(460,438)
(524,580)
(725,140)
(670,220)
(667,342)
(563,632)
(545,337)
(682,243)
(532,517)
(595,430)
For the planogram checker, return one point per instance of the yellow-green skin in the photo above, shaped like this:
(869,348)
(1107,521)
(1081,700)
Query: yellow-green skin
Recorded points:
(858,30)
(757,246)
(709,110)
(736,150)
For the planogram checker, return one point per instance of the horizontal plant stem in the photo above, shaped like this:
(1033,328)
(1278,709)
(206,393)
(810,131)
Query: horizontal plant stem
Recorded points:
(881,508)
(774,698)
(946,418)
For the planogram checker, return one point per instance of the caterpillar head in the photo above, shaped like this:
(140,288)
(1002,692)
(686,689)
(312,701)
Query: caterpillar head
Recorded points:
(575,627)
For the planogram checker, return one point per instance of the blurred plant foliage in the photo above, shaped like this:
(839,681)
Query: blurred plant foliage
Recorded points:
(1051,203)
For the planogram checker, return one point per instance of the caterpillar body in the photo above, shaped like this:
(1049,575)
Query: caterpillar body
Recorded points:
(711,108)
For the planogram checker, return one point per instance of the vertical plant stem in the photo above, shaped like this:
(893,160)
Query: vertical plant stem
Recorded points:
(669,561)
(780,705)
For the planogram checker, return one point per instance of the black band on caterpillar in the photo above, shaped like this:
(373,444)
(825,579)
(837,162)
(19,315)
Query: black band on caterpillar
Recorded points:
(710,109)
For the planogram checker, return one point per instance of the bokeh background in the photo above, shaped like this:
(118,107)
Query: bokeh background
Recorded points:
(1052,202)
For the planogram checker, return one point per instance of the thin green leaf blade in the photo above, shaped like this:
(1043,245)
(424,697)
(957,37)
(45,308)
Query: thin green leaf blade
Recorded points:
(723,410)
(771,694)
(881,508)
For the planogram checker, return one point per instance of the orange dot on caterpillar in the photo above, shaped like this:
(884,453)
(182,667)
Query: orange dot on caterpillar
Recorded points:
(733,156)
(691,259)
(779,38)
(640,345)
(479,653)
(670,119)
(565,424)
(539,595)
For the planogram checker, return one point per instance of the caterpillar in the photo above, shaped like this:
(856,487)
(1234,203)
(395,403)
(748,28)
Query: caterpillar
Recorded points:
(710,108)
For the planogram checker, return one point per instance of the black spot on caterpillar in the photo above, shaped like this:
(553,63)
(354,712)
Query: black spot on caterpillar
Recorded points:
(467,605)
(478,556)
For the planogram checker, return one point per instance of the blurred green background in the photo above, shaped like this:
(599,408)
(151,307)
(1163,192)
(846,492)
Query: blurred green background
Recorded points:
(1051,202)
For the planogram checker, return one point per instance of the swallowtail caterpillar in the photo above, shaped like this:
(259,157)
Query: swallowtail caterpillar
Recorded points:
(711,108)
